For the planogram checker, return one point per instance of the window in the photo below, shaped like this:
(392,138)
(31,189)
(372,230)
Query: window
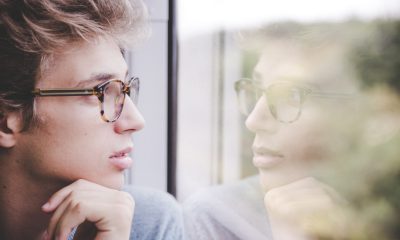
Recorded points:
(218,45)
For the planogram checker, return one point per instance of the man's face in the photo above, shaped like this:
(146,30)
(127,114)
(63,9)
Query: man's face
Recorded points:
(71,140)
(286,152)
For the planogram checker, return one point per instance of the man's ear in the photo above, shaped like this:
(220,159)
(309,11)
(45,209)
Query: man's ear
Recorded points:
(10,126)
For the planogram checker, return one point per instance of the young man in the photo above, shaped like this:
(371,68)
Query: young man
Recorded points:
(66,124)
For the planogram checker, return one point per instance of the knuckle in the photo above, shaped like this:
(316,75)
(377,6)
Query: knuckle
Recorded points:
(286,209)
(124,199)
(128,198)
(270,196)
(80,183)
(73,195)
(124,206)
(77,207)
(311,181)
(74,198)
(124,212)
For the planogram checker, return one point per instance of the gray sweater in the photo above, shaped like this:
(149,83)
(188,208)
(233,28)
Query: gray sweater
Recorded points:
(228,212)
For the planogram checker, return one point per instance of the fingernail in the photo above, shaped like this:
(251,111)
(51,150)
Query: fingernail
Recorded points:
(46,206)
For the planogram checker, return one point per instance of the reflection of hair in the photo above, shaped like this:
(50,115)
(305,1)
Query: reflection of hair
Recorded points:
(378,59)
(31,31)
(326,44)
(313,35)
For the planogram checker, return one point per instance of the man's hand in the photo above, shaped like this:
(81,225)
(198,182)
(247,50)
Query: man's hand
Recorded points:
(304,209)
(109,210)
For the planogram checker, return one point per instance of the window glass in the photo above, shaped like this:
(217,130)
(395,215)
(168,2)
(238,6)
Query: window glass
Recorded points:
(283,107)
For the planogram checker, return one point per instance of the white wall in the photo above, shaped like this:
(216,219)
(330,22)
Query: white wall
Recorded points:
(149,63)
(208,130)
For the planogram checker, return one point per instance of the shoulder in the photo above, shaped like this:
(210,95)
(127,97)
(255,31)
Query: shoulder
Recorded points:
(244,191)
(229,211)
(157,215)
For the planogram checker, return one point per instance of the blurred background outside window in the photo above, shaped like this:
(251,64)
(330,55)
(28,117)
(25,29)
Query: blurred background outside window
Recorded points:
(216,48)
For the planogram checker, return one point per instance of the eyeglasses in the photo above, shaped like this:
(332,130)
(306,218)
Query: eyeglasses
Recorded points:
(285,99)
(111,95)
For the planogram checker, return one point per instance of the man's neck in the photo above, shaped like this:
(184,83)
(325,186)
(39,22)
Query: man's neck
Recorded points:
(21,198)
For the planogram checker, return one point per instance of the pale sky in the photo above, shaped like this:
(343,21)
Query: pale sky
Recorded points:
(198,16)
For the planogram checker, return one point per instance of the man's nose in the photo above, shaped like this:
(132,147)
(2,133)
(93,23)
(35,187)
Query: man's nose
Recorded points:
(131,120)
(260,118)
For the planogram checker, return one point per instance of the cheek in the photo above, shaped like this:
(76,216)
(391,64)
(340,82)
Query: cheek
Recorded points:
(69,145)
(62,155)
(69,110)
(307,141)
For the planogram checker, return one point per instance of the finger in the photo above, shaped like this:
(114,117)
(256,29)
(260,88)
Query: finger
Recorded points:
(310,187)
(109,209)
(57,215)
(305,182)
(76,214)
(60,195)
(92,197)
(56,199)
(75,197)
(305,188)
(72,216)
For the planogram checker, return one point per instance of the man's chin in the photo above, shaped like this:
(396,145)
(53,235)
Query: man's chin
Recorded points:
(273,179)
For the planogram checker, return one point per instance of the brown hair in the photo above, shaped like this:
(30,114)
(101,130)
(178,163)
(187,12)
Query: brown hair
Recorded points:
(31,31)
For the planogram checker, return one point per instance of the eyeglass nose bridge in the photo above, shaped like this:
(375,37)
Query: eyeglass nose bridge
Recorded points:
(133,83)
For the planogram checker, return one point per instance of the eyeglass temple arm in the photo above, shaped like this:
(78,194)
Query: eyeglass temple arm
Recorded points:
(64,92)
(331,95)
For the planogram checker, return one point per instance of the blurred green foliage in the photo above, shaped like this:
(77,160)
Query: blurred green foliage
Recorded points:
(377,59)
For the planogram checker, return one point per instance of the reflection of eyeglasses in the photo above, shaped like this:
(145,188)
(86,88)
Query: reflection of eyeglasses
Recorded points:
(111,95)
(285,99)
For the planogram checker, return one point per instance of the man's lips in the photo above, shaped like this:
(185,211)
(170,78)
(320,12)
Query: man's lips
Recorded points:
(266,158)
(266,151)
(121,159)
(125,151)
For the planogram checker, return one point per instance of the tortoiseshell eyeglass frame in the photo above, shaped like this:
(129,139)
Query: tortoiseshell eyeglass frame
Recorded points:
(129,88)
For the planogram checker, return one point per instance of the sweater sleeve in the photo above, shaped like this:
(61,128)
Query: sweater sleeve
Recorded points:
(230,211)
(157,215)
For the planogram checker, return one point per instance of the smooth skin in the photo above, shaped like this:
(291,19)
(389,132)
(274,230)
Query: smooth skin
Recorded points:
(286,154)
(58,174)
(110,211)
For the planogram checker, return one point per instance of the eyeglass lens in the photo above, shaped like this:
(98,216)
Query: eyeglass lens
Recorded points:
(284,101)
(114,98)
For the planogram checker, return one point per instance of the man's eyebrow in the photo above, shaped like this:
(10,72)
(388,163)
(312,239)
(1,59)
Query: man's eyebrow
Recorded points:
(98,78)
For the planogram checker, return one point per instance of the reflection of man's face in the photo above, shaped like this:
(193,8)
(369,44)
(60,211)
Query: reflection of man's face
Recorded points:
(72,141)
(285,152)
